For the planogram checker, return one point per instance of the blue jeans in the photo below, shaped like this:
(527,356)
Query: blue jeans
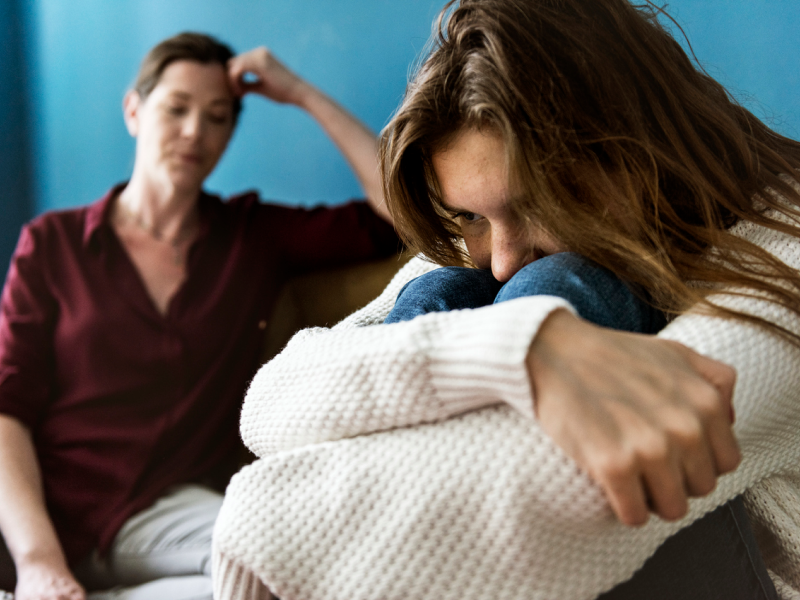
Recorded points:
(597,294)
(714,558)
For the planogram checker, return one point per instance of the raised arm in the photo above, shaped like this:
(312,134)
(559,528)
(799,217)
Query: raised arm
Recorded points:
(356,142)
(42,572)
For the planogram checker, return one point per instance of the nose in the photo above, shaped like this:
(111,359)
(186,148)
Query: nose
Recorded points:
(509,252)
(192,125)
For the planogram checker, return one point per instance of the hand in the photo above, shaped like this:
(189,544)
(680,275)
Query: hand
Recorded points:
(271,78)
(38,581)
(648,419)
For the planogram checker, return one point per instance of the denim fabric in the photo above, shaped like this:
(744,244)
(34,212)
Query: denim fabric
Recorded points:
(596,293)
(443,290)
(714,558)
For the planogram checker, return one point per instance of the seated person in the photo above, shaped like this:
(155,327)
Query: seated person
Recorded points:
(130,328)
(522,447)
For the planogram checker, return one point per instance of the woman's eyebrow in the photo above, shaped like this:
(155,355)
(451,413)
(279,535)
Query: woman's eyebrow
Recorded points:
(180,95)
(452,211)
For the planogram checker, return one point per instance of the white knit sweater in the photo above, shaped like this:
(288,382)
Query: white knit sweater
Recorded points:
(404,461)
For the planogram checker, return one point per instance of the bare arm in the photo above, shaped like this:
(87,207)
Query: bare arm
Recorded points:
(42,571)
(355,141)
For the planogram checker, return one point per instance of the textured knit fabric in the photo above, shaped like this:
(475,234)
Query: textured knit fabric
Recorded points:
(405,461)
(124,402)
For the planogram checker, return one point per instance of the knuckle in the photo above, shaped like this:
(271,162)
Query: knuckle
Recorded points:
(653,447)
(674,509)
(729,460)
(686,430)
(613,466)
(706,400)
(634,516)
(701,486)
(728,373)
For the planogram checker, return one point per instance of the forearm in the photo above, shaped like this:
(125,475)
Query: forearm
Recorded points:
(26,526)
(356,142)
(483,500)
(444,511)
(332,384)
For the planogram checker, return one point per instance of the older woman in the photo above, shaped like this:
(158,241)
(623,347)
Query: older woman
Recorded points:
(512,449)
(130,327)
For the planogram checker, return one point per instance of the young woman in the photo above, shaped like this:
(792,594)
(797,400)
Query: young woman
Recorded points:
(543,140)
(129,330)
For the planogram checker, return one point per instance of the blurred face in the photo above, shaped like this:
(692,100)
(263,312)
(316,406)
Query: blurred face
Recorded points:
(473,178)
(183,126)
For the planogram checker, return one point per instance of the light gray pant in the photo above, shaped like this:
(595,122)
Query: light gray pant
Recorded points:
(161,553)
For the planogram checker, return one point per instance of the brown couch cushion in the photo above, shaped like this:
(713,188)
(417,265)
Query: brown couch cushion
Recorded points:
(324,298)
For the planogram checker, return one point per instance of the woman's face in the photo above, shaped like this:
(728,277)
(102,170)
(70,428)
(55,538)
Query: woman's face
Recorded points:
(473,179)
(183,126)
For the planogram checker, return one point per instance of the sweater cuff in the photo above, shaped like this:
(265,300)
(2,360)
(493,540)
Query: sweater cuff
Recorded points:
(482,357)
(234,582)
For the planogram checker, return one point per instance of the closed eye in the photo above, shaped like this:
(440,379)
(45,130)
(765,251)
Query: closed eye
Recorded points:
(176,110)
(219,119)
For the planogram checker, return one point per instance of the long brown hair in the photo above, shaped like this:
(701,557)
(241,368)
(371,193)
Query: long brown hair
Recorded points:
(600,84)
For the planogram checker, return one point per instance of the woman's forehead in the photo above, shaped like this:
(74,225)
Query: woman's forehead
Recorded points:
(207,82)
(472,168)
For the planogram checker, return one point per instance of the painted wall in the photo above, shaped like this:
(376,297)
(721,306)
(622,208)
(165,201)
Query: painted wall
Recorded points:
(751,47)
(16,201)
(86,53)
(82,55)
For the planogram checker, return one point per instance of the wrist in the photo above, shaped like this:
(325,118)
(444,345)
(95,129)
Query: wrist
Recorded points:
(41,558)
(306,96)
(552,330)
(559,327)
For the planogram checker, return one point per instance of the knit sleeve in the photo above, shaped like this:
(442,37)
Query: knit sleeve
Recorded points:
(767,407)
(767,366)
(333,384)
(484,504)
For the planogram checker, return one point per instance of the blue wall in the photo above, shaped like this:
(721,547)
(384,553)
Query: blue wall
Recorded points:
(86,53)
(16,201)
(81,55)
(751,47)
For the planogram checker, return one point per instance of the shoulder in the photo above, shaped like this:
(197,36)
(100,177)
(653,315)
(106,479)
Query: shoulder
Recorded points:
(249,206)
(251,200)
(55,228)
(781,243)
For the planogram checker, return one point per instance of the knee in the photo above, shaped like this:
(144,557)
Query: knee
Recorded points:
(596,293)
(445,289)
(561,274)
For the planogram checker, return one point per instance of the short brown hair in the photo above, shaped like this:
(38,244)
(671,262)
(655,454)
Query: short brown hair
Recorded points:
(571,84)
(197,47)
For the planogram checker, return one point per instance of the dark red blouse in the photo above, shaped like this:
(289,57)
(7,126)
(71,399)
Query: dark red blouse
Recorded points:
(122,401)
